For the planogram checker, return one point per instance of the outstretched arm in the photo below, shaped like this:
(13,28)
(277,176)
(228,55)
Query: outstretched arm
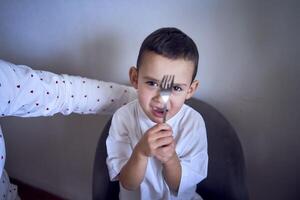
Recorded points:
(26,92)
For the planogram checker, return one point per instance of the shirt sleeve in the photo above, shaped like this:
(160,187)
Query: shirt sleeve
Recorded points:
(2,154)
(194,159)
(118,146)
(26,92)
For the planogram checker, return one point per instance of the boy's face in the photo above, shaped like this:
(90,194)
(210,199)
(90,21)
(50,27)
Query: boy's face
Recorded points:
(147,80)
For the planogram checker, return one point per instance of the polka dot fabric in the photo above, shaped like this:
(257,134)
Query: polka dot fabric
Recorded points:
(25,92)
(7,191)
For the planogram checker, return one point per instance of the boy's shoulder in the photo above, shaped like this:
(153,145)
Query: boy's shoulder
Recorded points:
(125,116)
(189,113)
(127,109)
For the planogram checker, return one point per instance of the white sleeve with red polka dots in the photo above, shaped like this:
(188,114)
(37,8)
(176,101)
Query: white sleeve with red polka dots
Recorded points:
(27,93)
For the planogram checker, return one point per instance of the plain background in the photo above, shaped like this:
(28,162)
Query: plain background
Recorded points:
(249,70)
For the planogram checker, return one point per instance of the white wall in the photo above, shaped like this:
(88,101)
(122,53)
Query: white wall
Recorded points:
(249,70)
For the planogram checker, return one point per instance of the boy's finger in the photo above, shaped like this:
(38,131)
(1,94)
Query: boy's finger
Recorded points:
(162,134)
(165,141)
(165,126)
(161,127)
(159,131)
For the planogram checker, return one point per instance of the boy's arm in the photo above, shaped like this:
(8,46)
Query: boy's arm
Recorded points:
(172,172)
(171,164)
(133,172)
(192,158)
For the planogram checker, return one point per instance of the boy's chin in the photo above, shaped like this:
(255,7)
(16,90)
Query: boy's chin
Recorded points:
(159,121)
(156,119)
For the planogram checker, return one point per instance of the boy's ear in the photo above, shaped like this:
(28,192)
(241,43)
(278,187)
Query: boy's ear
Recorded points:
(133,76)
(192,89)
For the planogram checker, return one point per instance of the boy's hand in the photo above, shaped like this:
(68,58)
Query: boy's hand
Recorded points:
(166,153)
(159,136)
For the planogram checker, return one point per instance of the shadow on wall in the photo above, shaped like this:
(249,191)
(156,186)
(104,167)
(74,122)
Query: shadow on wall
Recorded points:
(95,57)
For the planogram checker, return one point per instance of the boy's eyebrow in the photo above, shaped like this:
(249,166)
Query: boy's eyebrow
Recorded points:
(154,79)
(151,78)
(180,84)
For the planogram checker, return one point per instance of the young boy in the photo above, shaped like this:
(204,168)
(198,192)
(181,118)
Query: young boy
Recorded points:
(152,159)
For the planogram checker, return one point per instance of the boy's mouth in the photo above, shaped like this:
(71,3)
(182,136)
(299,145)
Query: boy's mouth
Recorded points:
(158,112)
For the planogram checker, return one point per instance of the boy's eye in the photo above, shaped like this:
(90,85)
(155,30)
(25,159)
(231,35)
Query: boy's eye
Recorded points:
(152,83)
(177,88)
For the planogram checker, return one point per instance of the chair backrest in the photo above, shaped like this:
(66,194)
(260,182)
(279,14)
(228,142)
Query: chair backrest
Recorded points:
(226,177)
(103,188)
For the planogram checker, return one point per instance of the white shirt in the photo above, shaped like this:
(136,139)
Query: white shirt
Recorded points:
(129,124)
(26,92)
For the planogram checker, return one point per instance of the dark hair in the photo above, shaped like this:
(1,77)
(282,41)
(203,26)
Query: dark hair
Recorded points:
(171,43)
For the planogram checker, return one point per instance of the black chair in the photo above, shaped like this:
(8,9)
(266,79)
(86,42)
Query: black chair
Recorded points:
(226,179)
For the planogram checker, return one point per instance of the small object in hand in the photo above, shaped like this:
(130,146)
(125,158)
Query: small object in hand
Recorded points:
(166,86)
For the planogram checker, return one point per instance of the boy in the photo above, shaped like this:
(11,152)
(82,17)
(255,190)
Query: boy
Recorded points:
(152,159)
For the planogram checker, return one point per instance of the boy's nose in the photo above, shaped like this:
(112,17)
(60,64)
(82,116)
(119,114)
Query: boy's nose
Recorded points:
(159,98)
